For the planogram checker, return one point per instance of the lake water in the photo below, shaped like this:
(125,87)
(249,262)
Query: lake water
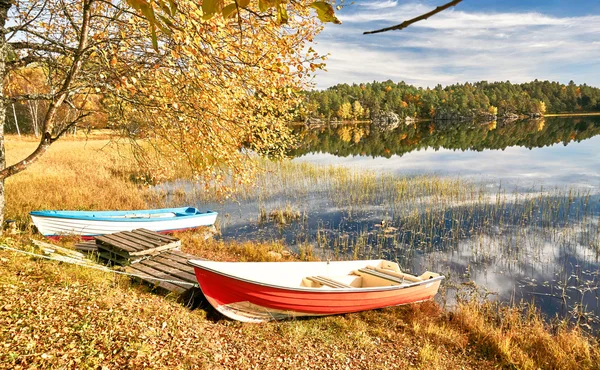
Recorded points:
(524,154)
(512,207)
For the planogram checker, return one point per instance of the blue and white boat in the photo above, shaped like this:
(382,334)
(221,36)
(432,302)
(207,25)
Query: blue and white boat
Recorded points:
(92,223)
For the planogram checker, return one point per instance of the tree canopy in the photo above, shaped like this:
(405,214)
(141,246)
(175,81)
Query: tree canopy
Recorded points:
(217,88)
(467,100)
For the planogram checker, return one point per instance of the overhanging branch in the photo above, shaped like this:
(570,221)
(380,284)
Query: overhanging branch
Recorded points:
(27,97)
(70,125)
(416,19)
(19,45)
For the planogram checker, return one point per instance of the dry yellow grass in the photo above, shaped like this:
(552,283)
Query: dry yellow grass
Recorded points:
(73,174)
(55,316)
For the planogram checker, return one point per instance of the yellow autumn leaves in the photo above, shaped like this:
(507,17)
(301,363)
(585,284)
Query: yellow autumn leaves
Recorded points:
(222,92)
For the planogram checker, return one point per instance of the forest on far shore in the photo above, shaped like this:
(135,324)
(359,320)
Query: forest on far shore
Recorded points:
(468,100)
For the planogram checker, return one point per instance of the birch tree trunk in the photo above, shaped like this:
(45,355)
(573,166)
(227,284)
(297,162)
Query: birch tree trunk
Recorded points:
(4,7)
(16,121)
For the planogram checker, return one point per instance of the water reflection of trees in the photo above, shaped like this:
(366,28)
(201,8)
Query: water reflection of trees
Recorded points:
(369,141)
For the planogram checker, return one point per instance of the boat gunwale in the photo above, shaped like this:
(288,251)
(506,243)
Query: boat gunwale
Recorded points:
(316,290)
(89,215)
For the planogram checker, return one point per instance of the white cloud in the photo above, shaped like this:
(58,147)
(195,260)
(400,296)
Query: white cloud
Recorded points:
(458,46)
(379,4)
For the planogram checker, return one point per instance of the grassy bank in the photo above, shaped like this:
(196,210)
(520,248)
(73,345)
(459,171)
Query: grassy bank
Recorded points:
(73,174)
(55,315)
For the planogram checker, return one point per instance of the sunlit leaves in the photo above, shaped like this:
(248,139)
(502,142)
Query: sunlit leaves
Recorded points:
(148,12)
(264,5)
(230,10)
(162,17)
(222,91)
(282,15)
(325,12)
(211,7)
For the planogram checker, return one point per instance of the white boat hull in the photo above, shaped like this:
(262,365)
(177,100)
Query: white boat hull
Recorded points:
(54,226)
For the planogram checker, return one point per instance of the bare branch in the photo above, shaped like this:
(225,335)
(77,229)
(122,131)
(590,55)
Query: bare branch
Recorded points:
(23,26)
(59,99)
(23,62)
(45,142)
(416,19)
(69,18)
(28,97)
(40,47)
(70,125)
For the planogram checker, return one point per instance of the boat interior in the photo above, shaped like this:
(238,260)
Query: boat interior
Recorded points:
(385,273)
(320,275)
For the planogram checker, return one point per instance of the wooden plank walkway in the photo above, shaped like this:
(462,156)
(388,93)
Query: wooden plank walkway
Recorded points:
(169,265)
(151,256)
(125,247)
(88,246)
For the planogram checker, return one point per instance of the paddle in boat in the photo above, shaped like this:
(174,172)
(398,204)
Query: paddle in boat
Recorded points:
(91,223)
(262,291)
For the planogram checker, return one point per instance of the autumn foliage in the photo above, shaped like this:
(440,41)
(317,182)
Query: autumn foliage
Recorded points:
(218,94)
(212,92)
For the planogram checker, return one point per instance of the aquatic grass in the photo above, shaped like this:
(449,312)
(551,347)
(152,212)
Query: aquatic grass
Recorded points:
(432,222)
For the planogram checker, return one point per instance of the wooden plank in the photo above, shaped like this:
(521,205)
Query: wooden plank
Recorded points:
(328,282)
(401,275)
(146,252)
(112,249)
(65,251)
(154,273)
(117,237)
(159,235)
(382,275)
(163,284)
(151,241)
(185,255)
(107,239)
(155,235)
(175,272)
(87,246)
(156,238)
(150,234)
(149,273)
(177,258)
(139,242)
(113,257)
(175,264)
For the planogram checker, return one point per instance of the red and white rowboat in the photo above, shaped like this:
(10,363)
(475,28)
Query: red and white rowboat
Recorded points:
(262,291)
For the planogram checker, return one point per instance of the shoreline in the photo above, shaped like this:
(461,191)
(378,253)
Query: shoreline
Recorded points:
(572,114)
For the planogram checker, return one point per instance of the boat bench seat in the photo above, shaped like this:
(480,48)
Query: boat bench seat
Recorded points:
(328,282)
(383,275)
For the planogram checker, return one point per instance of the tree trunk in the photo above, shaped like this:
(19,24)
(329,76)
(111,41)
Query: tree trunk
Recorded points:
(54,106)
(4,7)
(16,121)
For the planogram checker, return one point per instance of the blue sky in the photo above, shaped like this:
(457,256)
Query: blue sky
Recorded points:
(477,40)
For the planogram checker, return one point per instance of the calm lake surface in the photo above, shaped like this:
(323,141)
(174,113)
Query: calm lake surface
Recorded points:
(515,209)
(524,154)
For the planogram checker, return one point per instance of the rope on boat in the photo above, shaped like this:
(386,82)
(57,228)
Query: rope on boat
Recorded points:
(101,268)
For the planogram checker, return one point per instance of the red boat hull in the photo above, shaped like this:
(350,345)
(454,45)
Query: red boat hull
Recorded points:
(230,296)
